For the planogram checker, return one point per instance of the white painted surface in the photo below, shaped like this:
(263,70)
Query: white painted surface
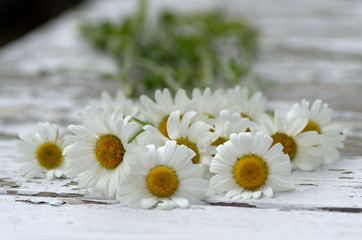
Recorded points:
(311,48)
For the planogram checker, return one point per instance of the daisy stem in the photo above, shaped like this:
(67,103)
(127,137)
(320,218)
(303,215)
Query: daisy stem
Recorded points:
(135,135)
(140,121)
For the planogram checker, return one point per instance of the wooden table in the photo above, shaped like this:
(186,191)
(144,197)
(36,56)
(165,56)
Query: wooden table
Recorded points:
(311,49)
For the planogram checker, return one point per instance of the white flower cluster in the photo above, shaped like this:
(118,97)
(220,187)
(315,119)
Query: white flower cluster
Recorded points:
(170,151)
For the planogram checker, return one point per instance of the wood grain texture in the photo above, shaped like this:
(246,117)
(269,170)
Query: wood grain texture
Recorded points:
(310,49)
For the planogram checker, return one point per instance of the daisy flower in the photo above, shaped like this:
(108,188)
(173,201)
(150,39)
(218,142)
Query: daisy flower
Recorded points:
(41,151)
(100,151)
(248,165)
(165,178)
(319,119)
(226,124)
(300,147)
(249,107)
(209,103)
(110,105)
(158,112)
(194,135)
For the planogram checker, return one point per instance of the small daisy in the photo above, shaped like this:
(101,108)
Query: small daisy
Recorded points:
(249,107)
(110,105)
(319,119)
(41,151)
(100,151)
(209,103)
(194,135)
(226,124)
(158,112)
(165,178)
(247,166)
(300,147)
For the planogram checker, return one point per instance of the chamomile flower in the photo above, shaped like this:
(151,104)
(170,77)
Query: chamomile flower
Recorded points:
(194,135)
(165,178)
(300,146)
(248,165)
(319,119)
(41,151)
(226,124)
(158,112)
(110,105)
(209,103)
(100,151)
(248,106)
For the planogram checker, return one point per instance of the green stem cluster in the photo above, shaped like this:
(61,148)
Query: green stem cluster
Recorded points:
(175,50)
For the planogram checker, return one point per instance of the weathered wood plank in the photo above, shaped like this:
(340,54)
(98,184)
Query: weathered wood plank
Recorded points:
(311,49)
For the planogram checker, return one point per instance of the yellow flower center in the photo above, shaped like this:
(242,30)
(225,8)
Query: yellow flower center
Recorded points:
(49,155)
(243,115)
(162,181)
(288,143)
(250,172)
(109,151)
(192,146)
(218,142)
(312,126)
(163,126)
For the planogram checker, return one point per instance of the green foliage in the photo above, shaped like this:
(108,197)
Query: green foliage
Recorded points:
(175,50)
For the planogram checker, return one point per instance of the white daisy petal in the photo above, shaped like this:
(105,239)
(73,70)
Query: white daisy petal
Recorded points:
(302,164)
(297,126)
(256,194)
(173,124)
(309,138)
(192,199)
(181,202)
(247,194)
(279,184)
(262,143)
(30,138)
(237,196)
(26,148)
(50,174)
(148,203)
(220,183)
(240,101)
(167,205)
(268,191)
(234,191)
(157,111)
(23,159)
(266,124)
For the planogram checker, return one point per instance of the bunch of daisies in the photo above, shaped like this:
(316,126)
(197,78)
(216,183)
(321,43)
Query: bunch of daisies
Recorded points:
(171,151)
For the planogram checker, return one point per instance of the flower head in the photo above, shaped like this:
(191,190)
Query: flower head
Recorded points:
(41,151)
(100,151)
(300,147)
(248,165)
(208,103)
(158,112)
(319,117)
(248,106)
(165,178)
(226,124)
